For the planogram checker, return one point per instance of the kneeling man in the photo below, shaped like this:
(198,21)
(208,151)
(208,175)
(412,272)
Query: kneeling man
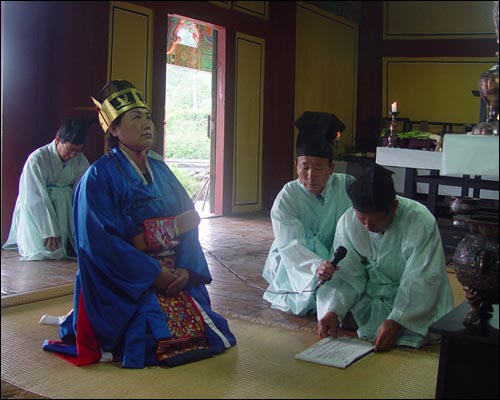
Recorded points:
(392,284)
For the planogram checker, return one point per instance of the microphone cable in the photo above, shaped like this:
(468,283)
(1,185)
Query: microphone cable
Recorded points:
(244,280)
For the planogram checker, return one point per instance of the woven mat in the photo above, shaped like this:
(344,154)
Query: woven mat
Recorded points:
(261,365)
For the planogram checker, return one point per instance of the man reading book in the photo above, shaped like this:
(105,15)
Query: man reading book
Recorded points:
(393,282)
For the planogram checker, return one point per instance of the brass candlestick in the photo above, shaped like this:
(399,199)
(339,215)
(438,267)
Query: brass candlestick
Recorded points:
(392,139)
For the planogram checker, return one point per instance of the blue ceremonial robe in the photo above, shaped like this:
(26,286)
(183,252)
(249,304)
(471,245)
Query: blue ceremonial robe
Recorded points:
(115,279)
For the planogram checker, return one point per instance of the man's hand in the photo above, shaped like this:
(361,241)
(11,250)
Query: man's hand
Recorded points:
(52,243)
(328,325)
(387,334)
(326,270)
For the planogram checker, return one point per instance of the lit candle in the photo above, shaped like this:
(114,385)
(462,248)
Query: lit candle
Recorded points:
(394,107)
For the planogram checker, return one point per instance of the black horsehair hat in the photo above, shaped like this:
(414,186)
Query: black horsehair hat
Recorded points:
(373,189)
(317,130)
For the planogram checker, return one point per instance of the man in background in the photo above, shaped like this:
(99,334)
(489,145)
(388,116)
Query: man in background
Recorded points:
(304,216)
(42,222)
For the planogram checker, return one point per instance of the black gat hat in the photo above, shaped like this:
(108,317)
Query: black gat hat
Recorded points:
(373,189)
(317,130)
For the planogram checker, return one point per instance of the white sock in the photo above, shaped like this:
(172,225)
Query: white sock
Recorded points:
(52,319)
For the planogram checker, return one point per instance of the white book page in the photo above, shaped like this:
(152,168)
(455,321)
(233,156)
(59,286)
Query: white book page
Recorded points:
(340,352)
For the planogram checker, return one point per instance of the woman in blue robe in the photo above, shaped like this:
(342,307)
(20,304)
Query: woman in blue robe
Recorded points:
(139,304)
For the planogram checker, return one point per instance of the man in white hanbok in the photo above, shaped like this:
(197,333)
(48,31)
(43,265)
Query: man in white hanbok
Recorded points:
(393,282)
(304,217)
(42,222)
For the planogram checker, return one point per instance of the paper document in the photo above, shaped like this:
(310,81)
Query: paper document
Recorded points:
(340,352)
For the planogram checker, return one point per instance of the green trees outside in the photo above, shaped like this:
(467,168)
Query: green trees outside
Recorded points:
(187,110)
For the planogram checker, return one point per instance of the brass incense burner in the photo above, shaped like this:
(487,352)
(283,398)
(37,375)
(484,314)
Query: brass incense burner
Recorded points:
(477,268)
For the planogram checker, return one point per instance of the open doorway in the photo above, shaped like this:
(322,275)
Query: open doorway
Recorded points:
(190,108)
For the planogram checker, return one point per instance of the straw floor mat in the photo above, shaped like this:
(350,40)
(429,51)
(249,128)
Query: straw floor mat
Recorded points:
(261,365)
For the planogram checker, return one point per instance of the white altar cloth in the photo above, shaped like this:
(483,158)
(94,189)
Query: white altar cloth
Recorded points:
(397,160)
(407,158)
(470,155)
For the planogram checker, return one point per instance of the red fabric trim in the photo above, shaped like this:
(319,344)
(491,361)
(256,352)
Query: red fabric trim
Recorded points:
(87,345)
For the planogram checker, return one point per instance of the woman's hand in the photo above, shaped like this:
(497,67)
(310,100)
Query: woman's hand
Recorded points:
(165,279)
(180,281)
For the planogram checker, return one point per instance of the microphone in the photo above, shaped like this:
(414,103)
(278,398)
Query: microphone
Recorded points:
(339,254)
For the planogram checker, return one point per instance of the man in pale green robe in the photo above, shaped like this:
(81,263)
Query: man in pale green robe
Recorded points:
(393,280)
(304,217)
(42,222)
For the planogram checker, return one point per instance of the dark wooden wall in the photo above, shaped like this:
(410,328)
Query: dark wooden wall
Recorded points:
(54,58)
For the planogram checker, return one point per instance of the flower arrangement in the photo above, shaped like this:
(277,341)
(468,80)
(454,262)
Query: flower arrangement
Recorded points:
(413,139)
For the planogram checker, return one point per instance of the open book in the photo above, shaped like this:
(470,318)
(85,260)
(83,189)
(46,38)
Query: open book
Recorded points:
(340,352)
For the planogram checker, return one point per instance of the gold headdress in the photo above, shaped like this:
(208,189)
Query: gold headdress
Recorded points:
(118,103)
